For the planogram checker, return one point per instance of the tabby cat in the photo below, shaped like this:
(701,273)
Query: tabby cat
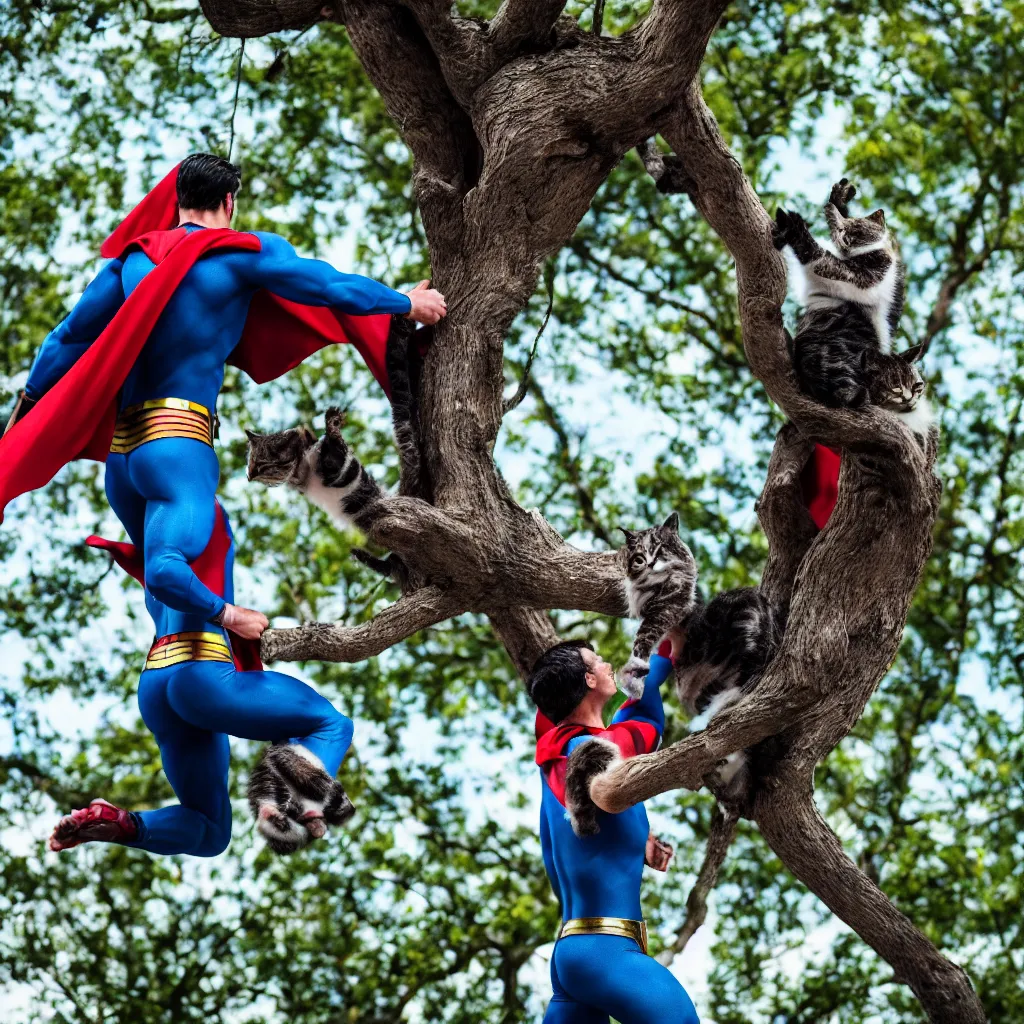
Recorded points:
(661,588)
(842,351)
(720,648)
(293,799)
(727,645)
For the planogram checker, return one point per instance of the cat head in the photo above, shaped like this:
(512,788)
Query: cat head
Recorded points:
(897,384)
(274,458)
(853,233)
(657,549)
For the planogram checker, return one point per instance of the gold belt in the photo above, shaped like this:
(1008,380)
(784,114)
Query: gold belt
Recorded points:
(635,930)
(178,647)
(162,417)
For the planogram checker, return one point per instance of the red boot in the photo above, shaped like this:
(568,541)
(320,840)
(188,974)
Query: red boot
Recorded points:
(100,822)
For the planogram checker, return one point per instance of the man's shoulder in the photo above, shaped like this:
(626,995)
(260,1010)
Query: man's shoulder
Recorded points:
(272,244)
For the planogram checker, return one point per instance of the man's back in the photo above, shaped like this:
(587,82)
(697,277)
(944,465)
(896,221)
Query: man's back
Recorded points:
(204,318)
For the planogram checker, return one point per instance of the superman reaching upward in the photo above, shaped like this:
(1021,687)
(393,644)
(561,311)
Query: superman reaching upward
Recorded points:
(131,377)
(594,859)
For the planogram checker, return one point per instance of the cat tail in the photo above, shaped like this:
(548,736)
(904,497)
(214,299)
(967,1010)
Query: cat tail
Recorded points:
(403,362)
(586,762)
(391,568)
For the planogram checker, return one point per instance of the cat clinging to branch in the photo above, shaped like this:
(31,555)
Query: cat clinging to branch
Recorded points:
(720,649)
(842,351)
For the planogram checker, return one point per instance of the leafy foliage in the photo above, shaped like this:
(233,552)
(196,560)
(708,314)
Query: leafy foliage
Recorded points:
(434,905)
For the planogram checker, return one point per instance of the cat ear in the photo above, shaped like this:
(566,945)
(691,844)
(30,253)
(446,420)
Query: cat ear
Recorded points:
(878,217)
(671,523)
(628,534)
(912,354)
(251,434)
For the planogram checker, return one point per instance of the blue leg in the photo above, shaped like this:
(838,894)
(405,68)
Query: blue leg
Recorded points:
(195,762)
(129,506)
(178,478)
(260,706)
(612,973)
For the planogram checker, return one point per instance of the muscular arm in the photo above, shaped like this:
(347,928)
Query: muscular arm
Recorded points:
(279,269)
(67,342)
(649,708)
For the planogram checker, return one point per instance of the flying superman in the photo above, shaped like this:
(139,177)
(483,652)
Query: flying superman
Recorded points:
(132,377)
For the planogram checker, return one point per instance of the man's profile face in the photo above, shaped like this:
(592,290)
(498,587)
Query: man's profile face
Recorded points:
(600,677)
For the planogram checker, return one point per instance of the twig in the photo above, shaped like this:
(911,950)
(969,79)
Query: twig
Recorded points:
(524,385)
(720,837)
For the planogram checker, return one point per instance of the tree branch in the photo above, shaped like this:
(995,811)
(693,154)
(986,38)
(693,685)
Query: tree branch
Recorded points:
(720,837)
(322,641)
(524,24)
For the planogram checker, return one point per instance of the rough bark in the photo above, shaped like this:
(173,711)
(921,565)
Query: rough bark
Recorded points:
(513,126)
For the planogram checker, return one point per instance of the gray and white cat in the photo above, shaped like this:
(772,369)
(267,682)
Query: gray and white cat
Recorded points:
(720,648)
(293,799)
(842,351)
(329,474)
(661,589)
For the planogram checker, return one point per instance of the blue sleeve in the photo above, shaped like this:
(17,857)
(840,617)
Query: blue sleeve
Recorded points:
(649,707)
(70,339)
(279,269)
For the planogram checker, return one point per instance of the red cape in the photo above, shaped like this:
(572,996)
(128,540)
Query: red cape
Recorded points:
(75,418)
(820,483)
(632,737)
(209,567)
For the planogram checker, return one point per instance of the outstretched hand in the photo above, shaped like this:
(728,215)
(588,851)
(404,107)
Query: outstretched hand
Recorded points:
(244,622)
(428,305)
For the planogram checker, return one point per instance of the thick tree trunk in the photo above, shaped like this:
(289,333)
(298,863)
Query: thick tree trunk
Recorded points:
(513,127)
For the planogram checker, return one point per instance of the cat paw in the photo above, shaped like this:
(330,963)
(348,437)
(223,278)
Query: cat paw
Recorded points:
(632,676)
(788,226)
(334,421)
(841,194)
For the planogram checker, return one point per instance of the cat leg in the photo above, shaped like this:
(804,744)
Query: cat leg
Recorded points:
(840,195)
(792,230)
(652,628)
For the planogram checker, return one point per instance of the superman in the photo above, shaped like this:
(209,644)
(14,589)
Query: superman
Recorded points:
(131,377)
(594,859)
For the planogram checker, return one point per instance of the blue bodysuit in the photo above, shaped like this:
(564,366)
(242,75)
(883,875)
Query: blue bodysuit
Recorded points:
(164,494)
(595,977)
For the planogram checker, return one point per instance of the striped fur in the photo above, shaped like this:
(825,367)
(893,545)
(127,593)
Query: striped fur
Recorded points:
(854,301)
(326,471)
(404,364)
(293,799)
(661,588)
(729,643)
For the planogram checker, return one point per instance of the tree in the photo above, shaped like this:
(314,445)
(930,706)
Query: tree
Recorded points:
(498,275)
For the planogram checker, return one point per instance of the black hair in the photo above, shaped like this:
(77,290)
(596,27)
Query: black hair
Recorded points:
(204,180)
(558,682)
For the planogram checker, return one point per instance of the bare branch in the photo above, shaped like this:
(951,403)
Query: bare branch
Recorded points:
(323,641)
(720,837)
(523,24)
(524,384)
(794,829)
